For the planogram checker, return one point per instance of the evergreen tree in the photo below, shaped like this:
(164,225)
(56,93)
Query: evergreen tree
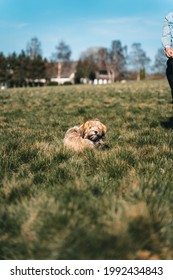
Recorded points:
(3,68)
(86,69)
(36,65)
(36,70)
(12,63)
(79,74)
(23,68)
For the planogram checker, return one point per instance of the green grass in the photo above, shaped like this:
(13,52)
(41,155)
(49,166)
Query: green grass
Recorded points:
(111,204)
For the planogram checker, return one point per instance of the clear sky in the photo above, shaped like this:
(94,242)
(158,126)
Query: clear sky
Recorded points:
(82,24)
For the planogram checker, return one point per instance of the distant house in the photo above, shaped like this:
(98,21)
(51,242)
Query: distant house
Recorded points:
(104,74)
(61,73)
(64,72)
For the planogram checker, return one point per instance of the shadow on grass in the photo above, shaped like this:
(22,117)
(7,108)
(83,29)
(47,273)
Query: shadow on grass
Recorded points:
(168,124)
(92,244)
(98,244)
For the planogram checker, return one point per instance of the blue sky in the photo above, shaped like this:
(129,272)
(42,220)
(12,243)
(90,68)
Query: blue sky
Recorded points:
(82,24)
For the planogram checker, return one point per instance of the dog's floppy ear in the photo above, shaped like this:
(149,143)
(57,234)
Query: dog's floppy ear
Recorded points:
(82,129)
(104,129)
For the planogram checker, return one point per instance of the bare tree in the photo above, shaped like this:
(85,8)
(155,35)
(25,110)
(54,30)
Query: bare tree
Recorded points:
(118,58)
(90,54)
(160,62)
(63,52)
(33,48)
(62,56)
(138,60)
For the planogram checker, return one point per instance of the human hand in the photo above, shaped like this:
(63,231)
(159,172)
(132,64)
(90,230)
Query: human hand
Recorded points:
(169,52)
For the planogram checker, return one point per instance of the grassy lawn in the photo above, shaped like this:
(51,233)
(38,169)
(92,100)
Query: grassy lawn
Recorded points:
(111,204)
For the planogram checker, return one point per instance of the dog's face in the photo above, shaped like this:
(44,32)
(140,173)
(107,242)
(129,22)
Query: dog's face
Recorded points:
(93,130)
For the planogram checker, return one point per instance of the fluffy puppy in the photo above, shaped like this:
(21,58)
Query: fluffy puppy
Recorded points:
(88,135)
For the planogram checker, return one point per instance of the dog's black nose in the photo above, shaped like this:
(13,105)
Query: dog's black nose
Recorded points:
(96,132)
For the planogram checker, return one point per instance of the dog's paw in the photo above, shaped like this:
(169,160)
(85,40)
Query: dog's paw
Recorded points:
(101,145)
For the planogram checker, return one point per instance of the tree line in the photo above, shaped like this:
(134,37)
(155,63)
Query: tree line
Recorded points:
(29,67)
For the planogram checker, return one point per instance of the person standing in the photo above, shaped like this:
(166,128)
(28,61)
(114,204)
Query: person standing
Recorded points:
(167,42)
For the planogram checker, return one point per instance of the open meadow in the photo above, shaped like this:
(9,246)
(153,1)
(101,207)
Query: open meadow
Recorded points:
(115,203)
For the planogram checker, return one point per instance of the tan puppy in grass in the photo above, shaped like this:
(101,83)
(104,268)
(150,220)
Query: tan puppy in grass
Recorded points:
(88,135)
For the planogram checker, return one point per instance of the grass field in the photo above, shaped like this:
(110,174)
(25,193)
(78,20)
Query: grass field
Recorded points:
(111,204)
